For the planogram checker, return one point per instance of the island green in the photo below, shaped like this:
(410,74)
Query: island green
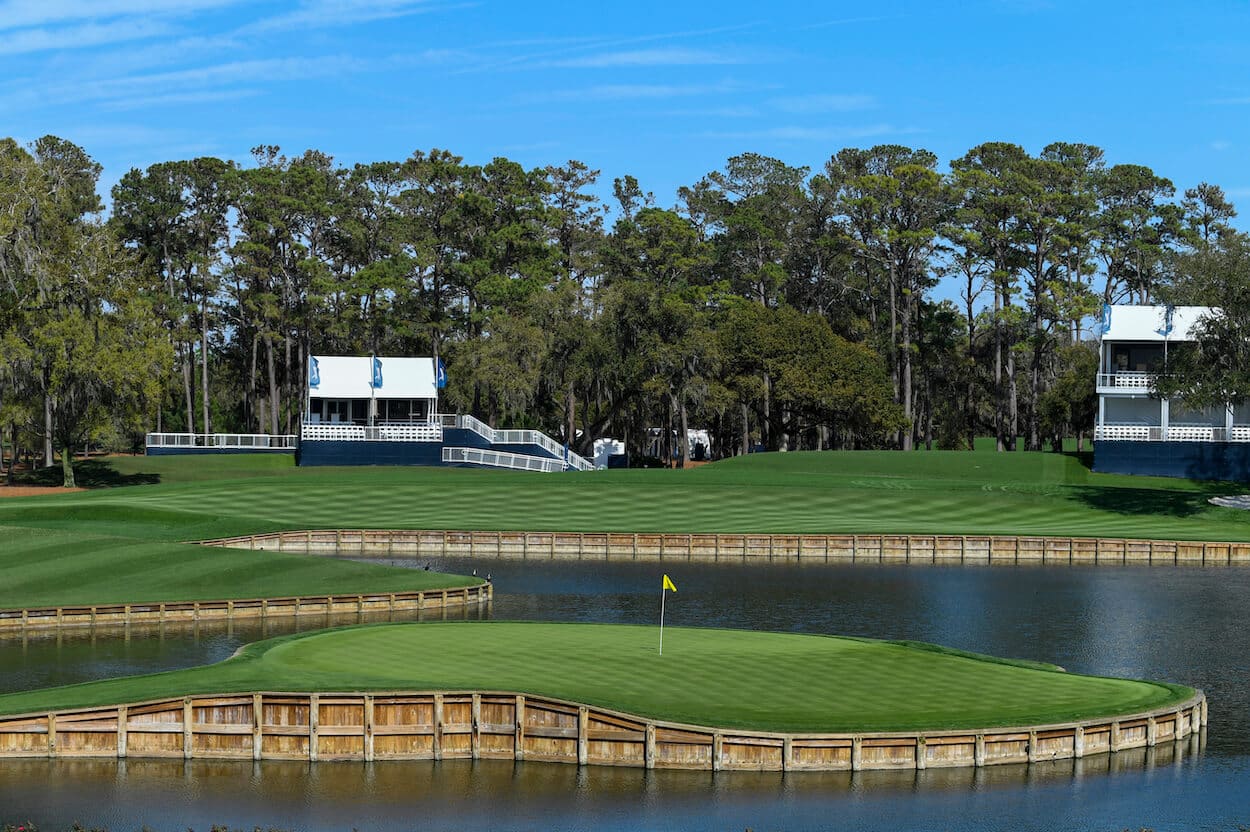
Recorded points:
(722,678)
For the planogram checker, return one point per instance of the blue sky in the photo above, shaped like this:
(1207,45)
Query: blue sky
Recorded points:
(665,91)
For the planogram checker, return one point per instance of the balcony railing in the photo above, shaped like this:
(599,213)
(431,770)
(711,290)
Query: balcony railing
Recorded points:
(1172,433)
(402,432)
(1127,381)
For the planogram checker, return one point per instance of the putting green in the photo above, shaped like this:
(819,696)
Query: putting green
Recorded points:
(722,678)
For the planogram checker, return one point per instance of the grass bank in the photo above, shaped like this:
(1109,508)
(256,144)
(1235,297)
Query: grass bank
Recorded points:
(185,498)
(45,568)
(723,678)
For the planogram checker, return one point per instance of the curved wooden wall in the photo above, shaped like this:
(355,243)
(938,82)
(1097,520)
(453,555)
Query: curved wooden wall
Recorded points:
(868,548)
(491,724)
(34,618)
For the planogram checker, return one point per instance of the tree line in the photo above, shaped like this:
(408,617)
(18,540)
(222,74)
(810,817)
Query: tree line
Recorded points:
(777,306)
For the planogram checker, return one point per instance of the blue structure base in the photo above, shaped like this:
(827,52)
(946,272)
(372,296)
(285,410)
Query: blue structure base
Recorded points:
(329,452)
(1228,461)
(214,451)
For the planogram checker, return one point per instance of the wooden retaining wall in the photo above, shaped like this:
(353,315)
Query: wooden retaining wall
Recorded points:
(879,548)
(92,615)
(483,725)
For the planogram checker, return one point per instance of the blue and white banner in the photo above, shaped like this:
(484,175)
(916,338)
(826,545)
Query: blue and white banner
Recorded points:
(1166,329)
(314,373)
(1106,318)
(440,374)
(376,381)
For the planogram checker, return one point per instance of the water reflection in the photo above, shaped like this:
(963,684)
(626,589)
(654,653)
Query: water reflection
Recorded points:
(169,794)
(1184,625)
(44,658)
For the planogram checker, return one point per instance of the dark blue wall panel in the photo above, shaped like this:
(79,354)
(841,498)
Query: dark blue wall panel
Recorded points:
(369,453)
(1228,461)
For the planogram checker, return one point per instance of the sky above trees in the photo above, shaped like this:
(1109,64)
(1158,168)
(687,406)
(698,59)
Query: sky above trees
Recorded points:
(662,91)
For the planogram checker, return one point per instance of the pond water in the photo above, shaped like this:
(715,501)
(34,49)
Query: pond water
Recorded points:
(1183,625)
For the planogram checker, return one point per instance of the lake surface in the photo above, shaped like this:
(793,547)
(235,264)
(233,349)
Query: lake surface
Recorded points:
(1183,625)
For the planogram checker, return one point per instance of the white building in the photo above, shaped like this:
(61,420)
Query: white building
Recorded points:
(1138,431)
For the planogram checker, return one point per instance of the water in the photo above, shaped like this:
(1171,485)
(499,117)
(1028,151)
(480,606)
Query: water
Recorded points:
(1184,625)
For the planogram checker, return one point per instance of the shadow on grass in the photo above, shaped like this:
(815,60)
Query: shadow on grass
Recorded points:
(1145,502)
(88,473)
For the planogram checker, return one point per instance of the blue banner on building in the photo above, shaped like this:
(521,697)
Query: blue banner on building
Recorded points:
(1106,318)
(1166,329)
(440,373)
(314,373)
(376,382)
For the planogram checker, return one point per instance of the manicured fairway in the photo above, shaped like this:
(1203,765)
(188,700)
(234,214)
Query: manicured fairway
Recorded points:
(725,678)
(55,568)
(925,492)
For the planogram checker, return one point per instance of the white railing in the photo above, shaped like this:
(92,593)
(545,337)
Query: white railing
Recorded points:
(1172,433)
(401,432)
(433,432)
(332,432)
(231,441)
(542,440)
(1127,380)
(501,459)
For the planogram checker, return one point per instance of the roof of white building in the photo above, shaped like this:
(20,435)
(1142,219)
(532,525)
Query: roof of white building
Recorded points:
(1146,323)
(351,377)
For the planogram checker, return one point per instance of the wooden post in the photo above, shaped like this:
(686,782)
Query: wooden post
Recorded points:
(187,715)
(635,546)
(648,751)
(1152,731)
(475,735)
(1115,736)
(1032,746)
(920,752)
(583,724)
(122,719)
(314,716)
(258,714)
(978,751)
(857,753)
(518,726)
(438,726)
(51,735)
(787,744)
(1078,742)
(368,703)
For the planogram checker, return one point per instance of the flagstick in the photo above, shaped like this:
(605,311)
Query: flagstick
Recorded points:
(663,592)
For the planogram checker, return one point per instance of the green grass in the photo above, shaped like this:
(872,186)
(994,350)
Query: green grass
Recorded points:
(724,678)
(947,492)
(124,540)
(40,567)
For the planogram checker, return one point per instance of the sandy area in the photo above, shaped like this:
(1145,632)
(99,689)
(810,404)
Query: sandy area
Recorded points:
(33,490)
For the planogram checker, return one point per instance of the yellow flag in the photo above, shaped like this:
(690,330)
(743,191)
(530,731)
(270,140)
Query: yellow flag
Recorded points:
(668,584)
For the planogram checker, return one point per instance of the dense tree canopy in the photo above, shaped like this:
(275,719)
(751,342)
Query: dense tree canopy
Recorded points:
(775,306)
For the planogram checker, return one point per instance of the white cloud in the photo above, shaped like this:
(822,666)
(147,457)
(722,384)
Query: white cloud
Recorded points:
(674,56)
(77,37)
(17,14)
(320,13)
(626,92)
(1221,144)
(831,133)
(176,99)
(824,103)
(121,91)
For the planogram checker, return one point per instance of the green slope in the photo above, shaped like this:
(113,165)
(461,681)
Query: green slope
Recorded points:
(727,678)
(39,567)
(831,492)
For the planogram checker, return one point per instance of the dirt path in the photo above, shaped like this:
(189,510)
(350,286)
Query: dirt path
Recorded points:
(33,490)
